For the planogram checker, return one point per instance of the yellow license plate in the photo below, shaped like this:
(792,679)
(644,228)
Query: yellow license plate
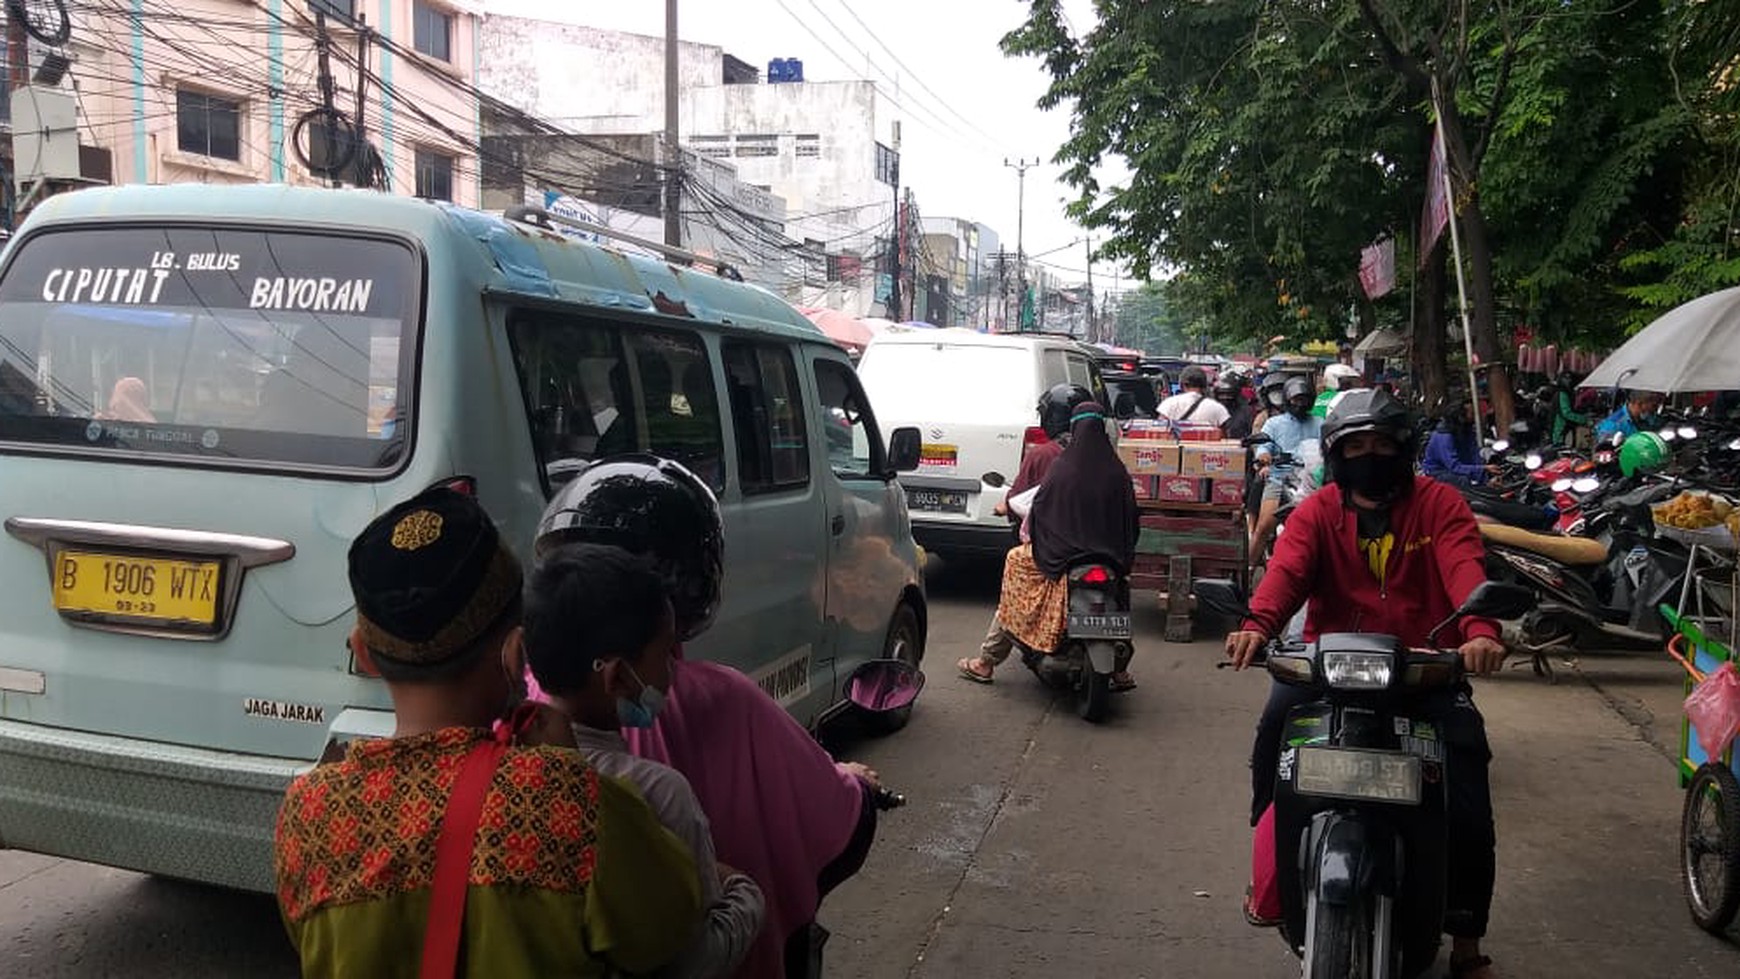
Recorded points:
(126,586)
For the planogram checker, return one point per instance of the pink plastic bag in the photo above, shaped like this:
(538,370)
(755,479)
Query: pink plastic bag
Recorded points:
(1714,709)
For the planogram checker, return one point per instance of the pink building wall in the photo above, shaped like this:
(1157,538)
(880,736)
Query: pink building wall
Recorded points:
(130,66)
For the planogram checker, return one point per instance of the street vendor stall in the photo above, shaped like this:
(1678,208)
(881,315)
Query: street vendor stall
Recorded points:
(1190,488)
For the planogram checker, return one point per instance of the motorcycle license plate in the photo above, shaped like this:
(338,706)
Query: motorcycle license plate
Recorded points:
(1353,773)
(1106,625)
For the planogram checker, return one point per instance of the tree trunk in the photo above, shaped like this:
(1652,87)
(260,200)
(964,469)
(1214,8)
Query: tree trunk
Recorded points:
(1429,367)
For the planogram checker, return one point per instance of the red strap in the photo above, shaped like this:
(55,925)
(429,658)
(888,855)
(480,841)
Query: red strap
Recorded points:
(453,859)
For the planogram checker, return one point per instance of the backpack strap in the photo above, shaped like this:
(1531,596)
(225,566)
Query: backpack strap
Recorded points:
(1193,406)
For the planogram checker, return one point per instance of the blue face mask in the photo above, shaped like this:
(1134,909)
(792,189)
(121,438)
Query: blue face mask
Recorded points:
(644,709)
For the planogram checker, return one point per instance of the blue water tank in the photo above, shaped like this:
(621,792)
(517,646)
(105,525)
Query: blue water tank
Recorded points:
(785,70)
(794,70)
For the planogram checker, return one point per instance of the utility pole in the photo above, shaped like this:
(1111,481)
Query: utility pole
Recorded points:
(1020,167)
(673,154)
(1092,324)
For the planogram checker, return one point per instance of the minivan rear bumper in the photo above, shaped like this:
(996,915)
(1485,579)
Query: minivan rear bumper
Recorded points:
(962,538)
(178,811)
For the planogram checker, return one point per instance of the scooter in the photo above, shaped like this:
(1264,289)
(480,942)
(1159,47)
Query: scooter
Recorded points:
(1592,592)
(1096,641)
(1361,793)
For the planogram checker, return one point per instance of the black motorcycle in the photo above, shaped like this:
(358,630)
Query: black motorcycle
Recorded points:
(1096,641)
(1361,795)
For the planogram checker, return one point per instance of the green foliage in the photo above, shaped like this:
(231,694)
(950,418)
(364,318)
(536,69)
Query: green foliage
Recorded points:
(1269,140)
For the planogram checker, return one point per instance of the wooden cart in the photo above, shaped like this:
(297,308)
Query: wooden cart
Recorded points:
(1182,542)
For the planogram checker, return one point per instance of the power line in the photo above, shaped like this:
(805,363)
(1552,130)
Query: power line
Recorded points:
(913,74)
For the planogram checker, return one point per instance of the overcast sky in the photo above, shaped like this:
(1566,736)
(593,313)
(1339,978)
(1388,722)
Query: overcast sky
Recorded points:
(966,106)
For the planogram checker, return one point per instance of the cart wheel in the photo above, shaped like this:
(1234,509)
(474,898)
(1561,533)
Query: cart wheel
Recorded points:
(1710,847)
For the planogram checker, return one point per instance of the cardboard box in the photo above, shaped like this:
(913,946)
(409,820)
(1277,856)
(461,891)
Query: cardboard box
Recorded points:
(1226,492)
(1181,489)
(1197,431)
(1212,460)
(1146,458)
(1147,429)
(1147,488)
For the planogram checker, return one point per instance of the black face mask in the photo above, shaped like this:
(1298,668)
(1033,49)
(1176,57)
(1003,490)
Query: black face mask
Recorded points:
(1298,411)
(1379,478)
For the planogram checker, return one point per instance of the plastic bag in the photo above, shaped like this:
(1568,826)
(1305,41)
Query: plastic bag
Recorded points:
(1714,709)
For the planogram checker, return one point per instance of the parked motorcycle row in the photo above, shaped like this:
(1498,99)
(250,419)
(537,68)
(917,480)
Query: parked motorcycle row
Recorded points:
(1595,534)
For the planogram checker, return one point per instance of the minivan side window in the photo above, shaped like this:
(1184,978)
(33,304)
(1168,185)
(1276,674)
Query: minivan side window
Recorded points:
(595,390)
(767,414)
(854,446)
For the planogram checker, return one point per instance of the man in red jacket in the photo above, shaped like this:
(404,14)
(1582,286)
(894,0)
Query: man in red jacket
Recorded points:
(1383,550)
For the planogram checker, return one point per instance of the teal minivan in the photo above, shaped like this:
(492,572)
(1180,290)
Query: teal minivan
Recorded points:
(206,392)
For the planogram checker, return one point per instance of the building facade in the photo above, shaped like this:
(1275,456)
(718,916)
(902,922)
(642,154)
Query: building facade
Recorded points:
(827,149)
(231,91)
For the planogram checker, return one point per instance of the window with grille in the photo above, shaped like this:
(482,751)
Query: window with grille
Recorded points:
(431,30)
(209,125)
(434,175)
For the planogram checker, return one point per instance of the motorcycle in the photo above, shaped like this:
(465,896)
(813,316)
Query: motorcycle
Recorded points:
(1097,635)
(1096,641)
(1361,793)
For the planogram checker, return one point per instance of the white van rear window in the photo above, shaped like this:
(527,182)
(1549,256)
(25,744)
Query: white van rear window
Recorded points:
(209,345)
(963,383)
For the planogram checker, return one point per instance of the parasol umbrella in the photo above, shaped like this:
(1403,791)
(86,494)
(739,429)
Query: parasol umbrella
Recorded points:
(1694,347)
(845,330)
(1381,343)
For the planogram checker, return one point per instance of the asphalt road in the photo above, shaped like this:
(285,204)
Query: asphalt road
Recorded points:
(1037,845)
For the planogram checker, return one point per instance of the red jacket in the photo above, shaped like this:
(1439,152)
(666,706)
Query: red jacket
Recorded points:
(1438,558)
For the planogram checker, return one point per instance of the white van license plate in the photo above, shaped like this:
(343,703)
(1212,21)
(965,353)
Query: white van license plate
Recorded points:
(1349,773)
(1107,625)
(936,501)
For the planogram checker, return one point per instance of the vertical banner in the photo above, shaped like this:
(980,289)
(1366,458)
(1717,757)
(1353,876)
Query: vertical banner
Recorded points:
(1377,268)
(1437,212)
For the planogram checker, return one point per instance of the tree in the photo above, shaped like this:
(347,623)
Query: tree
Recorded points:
(1150,322)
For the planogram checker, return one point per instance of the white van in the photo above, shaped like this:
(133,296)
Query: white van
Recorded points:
(207,392)
(973,397)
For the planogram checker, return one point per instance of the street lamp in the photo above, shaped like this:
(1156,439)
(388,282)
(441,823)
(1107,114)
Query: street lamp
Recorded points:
(1020,167)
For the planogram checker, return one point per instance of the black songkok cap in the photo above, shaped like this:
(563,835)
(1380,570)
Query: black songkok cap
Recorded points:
(430,576)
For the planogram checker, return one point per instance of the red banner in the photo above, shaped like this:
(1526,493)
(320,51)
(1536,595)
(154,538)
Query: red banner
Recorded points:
(1437,212)
(1377,268)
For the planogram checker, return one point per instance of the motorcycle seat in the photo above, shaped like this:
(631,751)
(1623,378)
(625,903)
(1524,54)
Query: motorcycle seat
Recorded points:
(1511,512)
(1563,548)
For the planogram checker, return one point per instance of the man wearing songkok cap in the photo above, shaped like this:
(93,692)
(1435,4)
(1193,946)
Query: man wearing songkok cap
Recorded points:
(501,853)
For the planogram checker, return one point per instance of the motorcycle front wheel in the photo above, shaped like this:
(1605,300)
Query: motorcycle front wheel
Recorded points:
(1710,847)
(1340,943)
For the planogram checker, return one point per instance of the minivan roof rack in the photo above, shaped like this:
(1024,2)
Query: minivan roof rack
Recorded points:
(538,217)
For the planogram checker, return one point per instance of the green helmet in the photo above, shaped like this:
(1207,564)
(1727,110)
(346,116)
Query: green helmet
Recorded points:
(1641,453)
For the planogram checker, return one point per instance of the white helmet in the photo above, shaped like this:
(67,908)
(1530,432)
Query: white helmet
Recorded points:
(1338,377)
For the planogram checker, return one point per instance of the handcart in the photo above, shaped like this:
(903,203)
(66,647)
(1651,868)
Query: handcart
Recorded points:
(1710,818)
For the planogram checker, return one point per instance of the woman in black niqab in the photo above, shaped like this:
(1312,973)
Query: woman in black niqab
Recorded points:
(1086,507)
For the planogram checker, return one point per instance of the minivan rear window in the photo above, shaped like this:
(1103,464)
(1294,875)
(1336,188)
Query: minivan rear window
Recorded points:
(210,345)
(940,381)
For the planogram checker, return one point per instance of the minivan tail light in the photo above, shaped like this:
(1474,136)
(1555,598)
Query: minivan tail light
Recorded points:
(465,485)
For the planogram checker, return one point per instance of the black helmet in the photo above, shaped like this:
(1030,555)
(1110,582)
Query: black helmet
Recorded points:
(1367,410)
(1297,385)
(654,507)
(1057,406)
(1228,389)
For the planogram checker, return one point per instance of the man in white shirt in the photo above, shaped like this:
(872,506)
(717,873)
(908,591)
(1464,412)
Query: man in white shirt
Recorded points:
(1193,403)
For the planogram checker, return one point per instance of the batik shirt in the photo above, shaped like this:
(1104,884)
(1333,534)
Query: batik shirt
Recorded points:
(571,874)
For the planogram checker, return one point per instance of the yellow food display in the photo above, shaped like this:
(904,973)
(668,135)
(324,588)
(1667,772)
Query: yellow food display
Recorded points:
(1697,511)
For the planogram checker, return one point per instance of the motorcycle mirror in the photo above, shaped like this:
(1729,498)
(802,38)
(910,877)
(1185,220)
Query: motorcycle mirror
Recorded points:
(1561,485)
(884,685)
(1497,600)
(1221,596)
(1533,460)
(1588,484)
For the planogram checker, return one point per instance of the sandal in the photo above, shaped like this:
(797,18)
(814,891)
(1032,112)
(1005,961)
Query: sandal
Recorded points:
(969,668)
(1468,967)
(1122,682)
(1251,916)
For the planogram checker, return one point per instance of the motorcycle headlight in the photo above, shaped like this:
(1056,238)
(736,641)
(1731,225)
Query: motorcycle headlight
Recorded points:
(1358,671)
